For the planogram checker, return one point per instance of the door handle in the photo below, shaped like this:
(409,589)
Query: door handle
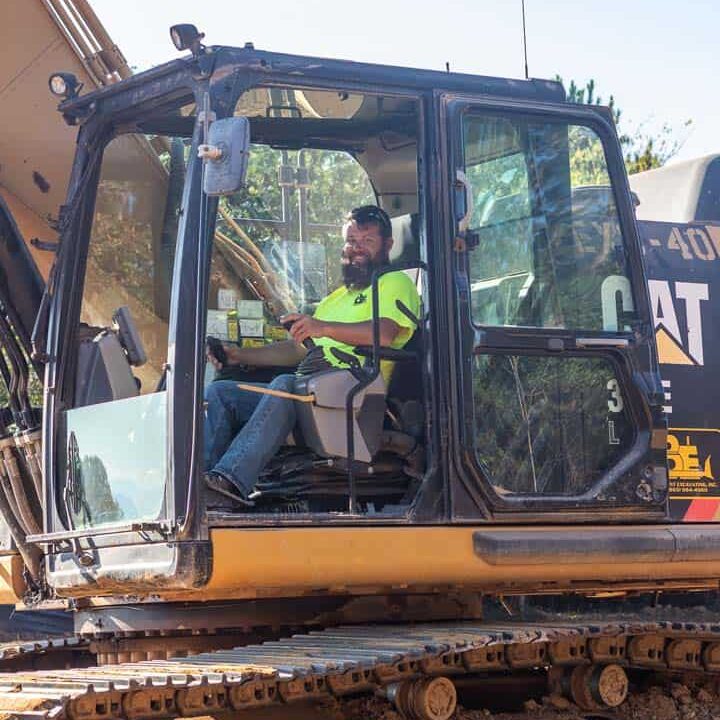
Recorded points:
(600,342)
(462,182)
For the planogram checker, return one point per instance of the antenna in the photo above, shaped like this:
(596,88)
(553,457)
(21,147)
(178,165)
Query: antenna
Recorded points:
(527,74)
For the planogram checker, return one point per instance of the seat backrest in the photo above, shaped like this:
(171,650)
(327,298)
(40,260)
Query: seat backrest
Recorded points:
(406,236)
(406,378)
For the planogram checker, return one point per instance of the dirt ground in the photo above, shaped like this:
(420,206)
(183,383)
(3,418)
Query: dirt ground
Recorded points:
(691,700)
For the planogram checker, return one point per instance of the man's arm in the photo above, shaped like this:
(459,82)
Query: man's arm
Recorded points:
(285,353)
(357,333)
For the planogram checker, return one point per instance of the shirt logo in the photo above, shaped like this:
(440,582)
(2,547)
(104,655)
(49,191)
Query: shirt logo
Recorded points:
(360,299)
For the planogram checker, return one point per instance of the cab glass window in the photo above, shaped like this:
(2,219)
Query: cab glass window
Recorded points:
(550,251)
(278,242)
(547,425)
(132,245)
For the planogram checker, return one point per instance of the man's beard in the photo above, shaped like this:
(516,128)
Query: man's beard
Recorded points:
(359,277)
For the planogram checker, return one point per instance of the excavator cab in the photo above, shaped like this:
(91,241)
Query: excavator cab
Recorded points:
(528,392)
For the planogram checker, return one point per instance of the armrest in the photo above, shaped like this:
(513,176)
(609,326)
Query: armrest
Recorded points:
(387,353)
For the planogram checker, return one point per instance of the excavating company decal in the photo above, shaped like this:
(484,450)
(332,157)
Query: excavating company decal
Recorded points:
(693,487)
(684,463)
(683,264)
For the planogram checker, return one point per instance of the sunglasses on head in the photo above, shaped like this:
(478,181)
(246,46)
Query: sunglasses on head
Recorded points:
(372,214)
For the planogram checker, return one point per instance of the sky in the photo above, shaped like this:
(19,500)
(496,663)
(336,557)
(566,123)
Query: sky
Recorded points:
(658,58)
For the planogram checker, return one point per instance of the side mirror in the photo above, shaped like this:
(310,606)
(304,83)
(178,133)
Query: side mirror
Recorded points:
(226,155)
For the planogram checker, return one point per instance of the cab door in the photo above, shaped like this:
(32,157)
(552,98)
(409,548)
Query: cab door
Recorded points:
(117,375)
(557,408)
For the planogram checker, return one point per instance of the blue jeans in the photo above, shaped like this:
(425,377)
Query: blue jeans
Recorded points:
(243,429)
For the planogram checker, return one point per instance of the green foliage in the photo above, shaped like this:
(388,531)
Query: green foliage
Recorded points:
(652,151)
(35,388)
(587,158)
(642,150)
(542,422)
(337,183)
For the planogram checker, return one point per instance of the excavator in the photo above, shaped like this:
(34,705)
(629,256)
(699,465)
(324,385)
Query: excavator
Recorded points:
(499,507)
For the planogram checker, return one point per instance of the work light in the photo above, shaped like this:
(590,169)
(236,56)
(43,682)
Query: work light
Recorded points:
(64,85)
(186,37)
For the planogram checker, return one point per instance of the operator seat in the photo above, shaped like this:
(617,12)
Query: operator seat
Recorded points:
(323,423)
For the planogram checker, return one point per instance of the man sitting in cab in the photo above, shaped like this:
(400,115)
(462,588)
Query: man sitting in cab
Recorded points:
(243,429)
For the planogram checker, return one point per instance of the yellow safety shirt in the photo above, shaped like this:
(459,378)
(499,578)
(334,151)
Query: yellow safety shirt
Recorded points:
(352,306)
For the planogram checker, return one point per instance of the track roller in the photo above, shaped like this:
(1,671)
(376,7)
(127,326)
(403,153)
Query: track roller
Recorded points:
(424,699)
(594,687)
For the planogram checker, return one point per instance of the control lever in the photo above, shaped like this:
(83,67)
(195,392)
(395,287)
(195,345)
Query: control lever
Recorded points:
(309,343)
(216,349)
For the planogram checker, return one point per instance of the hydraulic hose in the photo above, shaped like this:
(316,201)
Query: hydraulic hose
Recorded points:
(19,365)
(31,555)
(29,444)
(27,504)
(10,512)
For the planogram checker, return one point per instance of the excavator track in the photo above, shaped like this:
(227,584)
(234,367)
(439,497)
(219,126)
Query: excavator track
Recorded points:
(51,652)
(412,664)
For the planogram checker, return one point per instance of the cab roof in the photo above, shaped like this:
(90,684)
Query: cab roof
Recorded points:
(222,60)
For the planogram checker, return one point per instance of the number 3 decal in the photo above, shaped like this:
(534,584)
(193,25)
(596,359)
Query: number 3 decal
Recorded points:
(615,401)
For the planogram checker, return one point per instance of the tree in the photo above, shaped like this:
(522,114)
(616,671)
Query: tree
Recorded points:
(99,504)
(641,150)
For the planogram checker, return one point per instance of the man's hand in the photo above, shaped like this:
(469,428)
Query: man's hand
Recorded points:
(212,359)
(215,347)
(215,352)
(357,333)
(301,327)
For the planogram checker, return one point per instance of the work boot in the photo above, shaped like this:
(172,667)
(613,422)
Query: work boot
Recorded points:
(222,494)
